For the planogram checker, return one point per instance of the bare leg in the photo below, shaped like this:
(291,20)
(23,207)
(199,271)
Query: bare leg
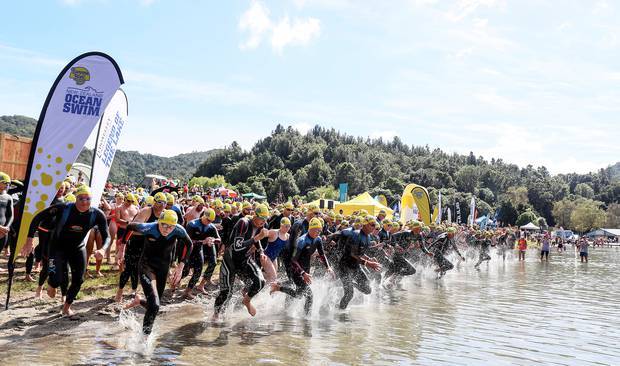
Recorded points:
(247,301)
(135,302)
(66,310)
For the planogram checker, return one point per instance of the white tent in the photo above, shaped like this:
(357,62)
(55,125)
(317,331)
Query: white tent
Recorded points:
(530,226)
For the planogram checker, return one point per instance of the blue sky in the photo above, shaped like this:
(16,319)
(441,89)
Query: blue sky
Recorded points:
(532,82)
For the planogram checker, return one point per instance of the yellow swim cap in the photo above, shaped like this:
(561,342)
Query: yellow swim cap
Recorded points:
(70,198)
(262,212)
(4,178)
(315,223)
(159,197)
(198,199)
(285,221)
(414,224)
(209,213)
(246,204)
(82,190)
(131,198)
(226,208)
(289,205)
(168,217)
(368,220)
(169,198)
(149,200)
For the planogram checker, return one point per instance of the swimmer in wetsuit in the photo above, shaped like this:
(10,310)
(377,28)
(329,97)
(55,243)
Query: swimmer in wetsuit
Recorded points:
(307,245)
(440,247)
(239,260)
(159,242)
(66,246)
(354,244)
(135,243)
(205,237)
(6,210)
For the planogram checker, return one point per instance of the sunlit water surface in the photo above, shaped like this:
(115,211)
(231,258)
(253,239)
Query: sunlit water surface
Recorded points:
(557,313)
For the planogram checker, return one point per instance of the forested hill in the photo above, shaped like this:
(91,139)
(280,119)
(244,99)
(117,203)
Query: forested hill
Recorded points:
(615,171)
(128,166)
(18,125)
(132,166)
(313,164)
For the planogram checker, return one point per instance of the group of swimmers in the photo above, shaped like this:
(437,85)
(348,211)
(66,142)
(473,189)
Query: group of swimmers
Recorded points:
(262,246)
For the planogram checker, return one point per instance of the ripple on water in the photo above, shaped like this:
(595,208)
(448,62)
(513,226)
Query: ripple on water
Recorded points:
(557,313)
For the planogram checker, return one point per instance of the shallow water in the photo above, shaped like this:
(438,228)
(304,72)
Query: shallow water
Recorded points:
(557,313)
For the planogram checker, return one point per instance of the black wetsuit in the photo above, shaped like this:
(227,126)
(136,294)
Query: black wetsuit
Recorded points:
(300,264)
(484,247)
(66,244)
(41,252)
(402,242)
(274,223)
(439,248)
(133,252)
(238,260)
(354,244)
(198,231)
(227,226)
(299,228)
(6,216)
(155,263)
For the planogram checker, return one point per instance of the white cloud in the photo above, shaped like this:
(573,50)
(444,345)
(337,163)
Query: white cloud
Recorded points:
(601,8)
(256,21)
(300,32)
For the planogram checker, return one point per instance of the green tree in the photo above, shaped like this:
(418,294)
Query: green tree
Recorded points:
(584,190)
(285,184)
(613,216)
(325,192)
(526,217)
(467,179)
(562,212)
(587,215)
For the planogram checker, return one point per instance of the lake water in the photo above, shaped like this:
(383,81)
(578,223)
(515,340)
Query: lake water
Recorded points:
(507,313)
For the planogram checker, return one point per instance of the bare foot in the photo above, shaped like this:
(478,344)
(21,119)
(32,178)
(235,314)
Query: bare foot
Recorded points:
(37,294)
(188,294)
(66,311)
(215,317)
(99,274)
(248,304)
(201,290)
(274,287)
(135,302)
(28,278)
(89,274)
(51,292)
(119,295)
